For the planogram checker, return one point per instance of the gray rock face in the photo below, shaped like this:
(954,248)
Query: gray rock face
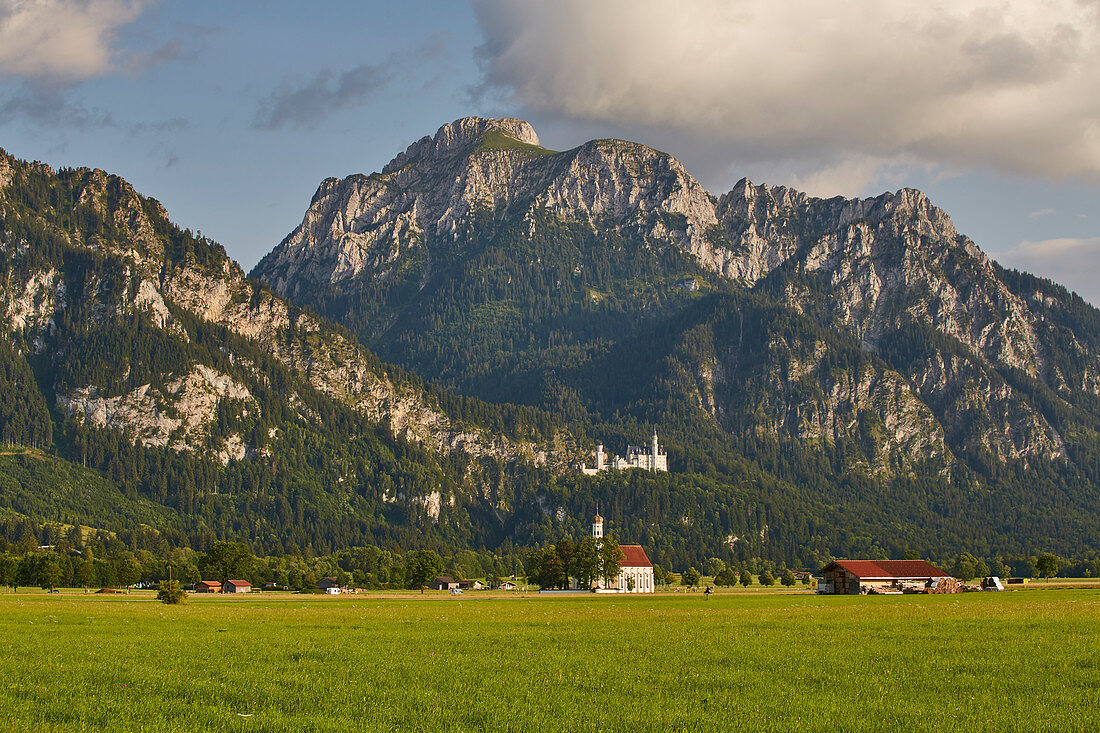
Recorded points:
(144,282)
(879,266)
(359,227)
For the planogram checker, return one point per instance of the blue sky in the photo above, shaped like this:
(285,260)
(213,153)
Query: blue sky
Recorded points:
(231,113)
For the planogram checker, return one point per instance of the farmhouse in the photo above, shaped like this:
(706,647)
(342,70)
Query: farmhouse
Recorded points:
(443,582)
(208,586)
(851,577)
(329,585)
(237,586)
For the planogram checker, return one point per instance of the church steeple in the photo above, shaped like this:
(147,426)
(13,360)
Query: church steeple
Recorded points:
(597,525)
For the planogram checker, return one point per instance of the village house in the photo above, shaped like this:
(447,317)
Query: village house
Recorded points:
(852,577)
(237,586)
(651,458)
(331,586)
(208,586)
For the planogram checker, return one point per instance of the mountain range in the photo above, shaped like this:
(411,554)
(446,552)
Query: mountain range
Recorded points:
(424,357)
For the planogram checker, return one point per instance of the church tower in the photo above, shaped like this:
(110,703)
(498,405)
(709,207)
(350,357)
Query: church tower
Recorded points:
(597,526)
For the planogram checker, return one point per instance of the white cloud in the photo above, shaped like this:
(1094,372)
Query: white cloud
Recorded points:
(811,85)
(1073,262)
(62,40)
(1041,213)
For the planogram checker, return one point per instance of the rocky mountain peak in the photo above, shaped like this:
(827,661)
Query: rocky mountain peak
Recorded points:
(460,136)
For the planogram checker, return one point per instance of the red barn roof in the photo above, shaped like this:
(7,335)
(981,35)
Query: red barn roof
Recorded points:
(887,569)
(239,583)
(634,557)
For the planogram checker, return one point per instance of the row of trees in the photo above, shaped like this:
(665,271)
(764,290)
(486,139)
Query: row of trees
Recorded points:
(588,562)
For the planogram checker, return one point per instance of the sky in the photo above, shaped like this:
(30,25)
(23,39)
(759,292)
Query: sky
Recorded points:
(231,113)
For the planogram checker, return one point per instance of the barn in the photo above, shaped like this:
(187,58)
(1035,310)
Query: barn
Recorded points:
(851,577)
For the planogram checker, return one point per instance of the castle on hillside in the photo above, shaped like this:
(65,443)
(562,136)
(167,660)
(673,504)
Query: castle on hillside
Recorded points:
(651,458)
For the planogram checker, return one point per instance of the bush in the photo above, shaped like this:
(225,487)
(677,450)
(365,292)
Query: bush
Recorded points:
(171,592)
(727,577)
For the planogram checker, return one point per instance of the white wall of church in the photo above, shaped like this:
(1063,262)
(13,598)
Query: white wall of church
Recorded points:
(643,580)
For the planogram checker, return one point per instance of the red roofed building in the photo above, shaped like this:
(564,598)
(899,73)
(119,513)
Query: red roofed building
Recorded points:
(851,577)
(636,573)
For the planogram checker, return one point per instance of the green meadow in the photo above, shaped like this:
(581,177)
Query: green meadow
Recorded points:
(1012,661)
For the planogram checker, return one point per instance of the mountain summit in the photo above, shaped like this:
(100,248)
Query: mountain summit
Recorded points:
(605,284)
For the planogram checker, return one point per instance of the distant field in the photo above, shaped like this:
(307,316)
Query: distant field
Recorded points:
(754,661)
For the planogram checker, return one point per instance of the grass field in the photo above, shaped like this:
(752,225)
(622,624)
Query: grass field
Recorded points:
(1010,661)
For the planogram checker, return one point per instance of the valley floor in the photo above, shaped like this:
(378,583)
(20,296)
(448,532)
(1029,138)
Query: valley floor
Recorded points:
(782,661)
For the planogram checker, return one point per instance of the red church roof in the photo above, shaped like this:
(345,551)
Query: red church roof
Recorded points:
(634,557)
(888,569)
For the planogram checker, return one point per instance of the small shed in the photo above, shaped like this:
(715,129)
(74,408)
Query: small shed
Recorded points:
(851,577)
(237,586)
(208,586)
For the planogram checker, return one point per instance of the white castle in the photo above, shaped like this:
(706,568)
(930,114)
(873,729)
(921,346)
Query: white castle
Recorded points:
(652,458)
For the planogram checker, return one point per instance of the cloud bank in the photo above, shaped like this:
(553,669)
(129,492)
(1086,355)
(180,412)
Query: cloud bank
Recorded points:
(843,89)
(62,40)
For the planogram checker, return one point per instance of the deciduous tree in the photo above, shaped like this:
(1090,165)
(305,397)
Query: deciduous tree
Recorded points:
(1047,565)
(609,559)
(227,560)
(420,567)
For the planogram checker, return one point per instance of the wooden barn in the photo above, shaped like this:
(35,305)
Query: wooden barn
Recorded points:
(443,582)
(851,577)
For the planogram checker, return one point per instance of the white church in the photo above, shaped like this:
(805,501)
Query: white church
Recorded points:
(651,458)
(636,572)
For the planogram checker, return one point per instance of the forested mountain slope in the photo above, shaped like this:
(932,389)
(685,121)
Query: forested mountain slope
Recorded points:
(140,349)
(851,348)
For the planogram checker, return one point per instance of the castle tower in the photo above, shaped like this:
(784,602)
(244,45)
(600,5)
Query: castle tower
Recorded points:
(601,458)
(653,453)
(597,526)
